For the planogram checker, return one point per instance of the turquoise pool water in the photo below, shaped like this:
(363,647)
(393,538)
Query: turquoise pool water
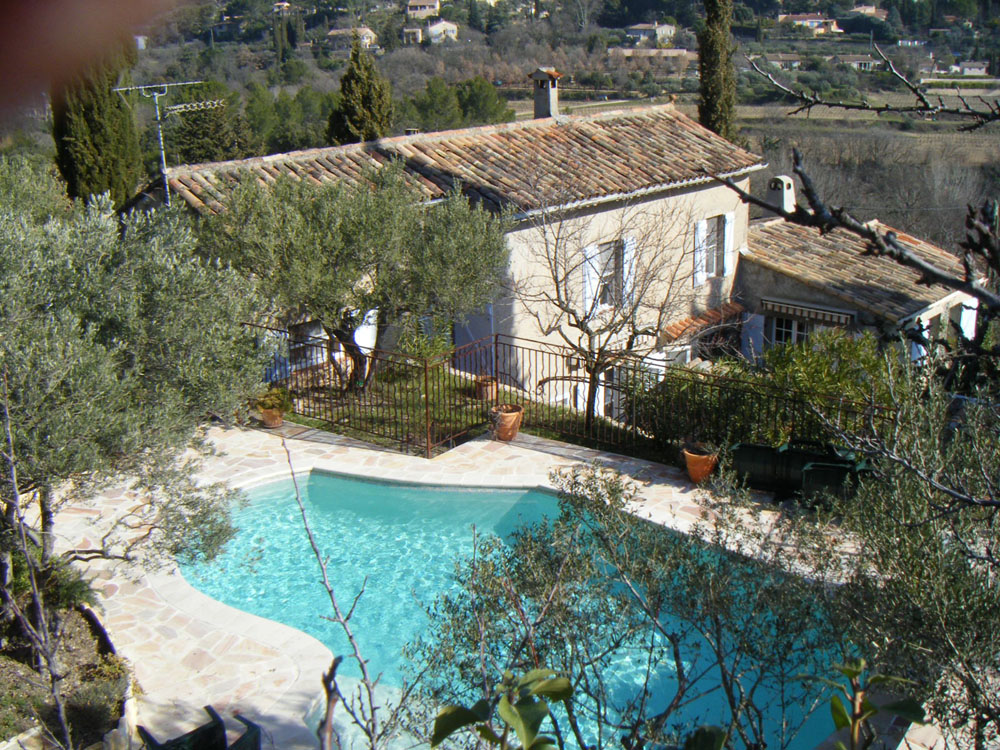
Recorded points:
(404,539)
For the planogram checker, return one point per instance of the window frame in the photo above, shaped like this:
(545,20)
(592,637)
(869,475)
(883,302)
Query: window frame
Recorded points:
(796,332)
(715,254)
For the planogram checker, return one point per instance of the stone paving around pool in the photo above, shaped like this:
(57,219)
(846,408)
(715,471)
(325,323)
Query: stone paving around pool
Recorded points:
(188,650)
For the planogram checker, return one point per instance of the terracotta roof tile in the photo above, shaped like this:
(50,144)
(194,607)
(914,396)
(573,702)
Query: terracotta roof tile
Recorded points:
(725,313)
(575,159)
(835,263)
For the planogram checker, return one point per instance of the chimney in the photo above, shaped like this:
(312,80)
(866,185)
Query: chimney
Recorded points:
(781,192)
(546,92)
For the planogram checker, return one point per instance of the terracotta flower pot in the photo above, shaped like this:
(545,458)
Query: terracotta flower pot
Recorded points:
(506,420)
(486,388)
(700,463)
(272,417)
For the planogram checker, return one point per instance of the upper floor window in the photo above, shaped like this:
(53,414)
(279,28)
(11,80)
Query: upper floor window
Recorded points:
(610,273)
(713,248)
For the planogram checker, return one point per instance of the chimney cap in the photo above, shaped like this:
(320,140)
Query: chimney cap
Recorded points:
(545,74)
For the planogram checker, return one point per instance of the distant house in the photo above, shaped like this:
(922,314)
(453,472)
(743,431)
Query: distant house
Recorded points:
(680,59)
(861,63)
(657,33)
(911,43)
(281,9)
(442,31)
(343,38)
(973,68)
(871,11)
(814,22)
(413,35)
(417,9)
(784,60)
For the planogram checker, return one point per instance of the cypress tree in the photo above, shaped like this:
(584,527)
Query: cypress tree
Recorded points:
(717,105)
(475,16)
(364,112)
(97,146)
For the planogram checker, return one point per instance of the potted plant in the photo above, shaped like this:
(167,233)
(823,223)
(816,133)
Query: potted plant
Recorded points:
(700,460)
(505,420)
(273,405)
(486,388)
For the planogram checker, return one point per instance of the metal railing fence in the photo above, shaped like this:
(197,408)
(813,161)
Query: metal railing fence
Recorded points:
(423,405)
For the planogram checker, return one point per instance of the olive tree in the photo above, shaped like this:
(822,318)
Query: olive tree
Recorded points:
(646,623)
(338,252)
(116,344)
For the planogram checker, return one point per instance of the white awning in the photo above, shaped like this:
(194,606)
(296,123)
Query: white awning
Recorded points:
(788,310)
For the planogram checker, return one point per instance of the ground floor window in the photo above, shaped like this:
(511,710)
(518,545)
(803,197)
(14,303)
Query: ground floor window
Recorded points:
(787,330)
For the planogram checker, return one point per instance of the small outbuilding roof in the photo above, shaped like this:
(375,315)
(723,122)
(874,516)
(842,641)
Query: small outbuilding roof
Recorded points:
(569,160)
(836,263)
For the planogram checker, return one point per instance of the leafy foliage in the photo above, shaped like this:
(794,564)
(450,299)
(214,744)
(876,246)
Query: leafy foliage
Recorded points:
(339,252)
(443,107)
(597,581)
(364,111)
(117,342)
(97,146)
(521,706)
(717,103)
(215,134)
(923,592)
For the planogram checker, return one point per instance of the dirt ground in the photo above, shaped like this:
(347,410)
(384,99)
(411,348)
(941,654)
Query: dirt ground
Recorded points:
(92,689)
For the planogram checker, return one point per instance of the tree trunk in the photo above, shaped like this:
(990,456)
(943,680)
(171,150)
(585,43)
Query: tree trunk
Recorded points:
(381,325)
(359,361)
(593,379)
(47,516)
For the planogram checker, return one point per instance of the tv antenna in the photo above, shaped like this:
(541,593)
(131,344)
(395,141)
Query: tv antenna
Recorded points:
(154,91)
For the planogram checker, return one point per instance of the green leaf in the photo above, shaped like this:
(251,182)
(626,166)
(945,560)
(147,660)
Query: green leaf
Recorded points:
(907,708)
(481,708)
(825,680)
(852,669)
(877,679)
(488,734)
(838,745)
(449,720)
(524,718)
(535,675)
(841,718)
(507,713)
(557,689)
(868,709)
(706,738)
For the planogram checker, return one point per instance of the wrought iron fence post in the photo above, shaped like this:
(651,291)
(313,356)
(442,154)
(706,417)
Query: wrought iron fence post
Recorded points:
(427,407)
(496,366)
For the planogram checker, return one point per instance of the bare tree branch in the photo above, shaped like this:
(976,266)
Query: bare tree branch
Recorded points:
(973,117)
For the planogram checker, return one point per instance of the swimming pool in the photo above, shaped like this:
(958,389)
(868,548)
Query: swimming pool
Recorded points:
(403,538)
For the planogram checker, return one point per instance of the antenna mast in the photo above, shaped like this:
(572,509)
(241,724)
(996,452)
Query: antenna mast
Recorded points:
(154,91)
